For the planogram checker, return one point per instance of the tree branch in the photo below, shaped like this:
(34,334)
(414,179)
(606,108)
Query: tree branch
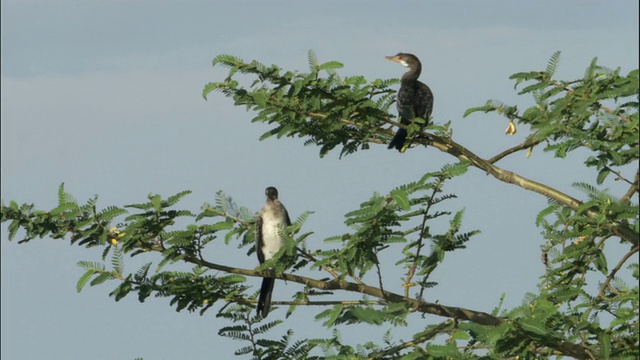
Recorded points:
(634,187)
(449,146)
(336,284)
(325,303)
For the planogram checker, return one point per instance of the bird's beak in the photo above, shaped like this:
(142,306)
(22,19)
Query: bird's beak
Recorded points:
(397,59)
(392,58)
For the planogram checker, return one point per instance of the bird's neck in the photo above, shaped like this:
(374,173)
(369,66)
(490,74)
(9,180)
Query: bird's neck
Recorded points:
(412,75)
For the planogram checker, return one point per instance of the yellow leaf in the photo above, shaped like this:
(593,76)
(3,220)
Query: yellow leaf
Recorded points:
(511,128)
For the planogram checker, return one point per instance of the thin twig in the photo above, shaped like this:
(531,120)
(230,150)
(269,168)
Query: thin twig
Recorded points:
(379,276)
(612,112)
(436,189)
(615,270)
(426,336)
(620,177)
(524,145)
(308,256)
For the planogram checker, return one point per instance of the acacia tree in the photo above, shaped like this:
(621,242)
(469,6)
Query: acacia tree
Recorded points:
(565,318)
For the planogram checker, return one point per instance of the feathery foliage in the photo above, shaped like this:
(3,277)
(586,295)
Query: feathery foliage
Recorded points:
(584,307)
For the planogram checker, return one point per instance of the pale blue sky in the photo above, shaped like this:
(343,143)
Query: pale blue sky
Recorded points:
(106,97)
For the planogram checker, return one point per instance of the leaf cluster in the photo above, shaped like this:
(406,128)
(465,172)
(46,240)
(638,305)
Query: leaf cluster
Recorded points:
(152,227)
(598,112)
(583,309)
(328,109)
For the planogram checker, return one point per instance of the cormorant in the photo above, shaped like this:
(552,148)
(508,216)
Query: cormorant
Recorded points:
(272,219)
(415,99)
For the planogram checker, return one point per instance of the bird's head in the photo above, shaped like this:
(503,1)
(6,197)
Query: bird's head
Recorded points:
(271,192)
(404,59)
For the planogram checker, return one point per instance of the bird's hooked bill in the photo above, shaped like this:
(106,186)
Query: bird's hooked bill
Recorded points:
(397,59)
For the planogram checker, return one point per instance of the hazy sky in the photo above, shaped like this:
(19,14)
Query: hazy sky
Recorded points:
(105,96)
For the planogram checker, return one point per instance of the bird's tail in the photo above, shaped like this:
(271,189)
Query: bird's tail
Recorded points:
(398,140)
(264,301)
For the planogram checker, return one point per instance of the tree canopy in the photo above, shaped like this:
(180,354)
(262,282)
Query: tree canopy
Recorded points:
(585,306)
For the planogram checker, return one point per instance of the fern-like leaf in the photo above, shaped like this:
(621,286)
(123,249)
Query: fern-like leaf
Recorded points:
(330,65)
(111,212)
(552,65)
(172,200)
(117,260)
(590,71)
(227,60)
(313,61)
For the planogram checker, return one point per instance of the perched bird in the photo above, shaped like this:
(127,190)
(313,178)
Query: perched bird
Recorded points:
(272,219)
(414,99)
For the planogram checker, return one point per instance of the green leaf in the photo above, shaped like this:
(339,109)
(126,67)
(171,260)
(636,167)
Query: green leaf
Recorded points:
(64,208)
(533,88)
(227,60)
(552,65)
(443,351)
(331,65)
(367,315)
(62,196)
(532,326)
(453,170)
(84,279)
(156,201)
(602,175)
(461,335)
(260,98)
(485,108)
(332,314)
(401,198)
(601,262)
(117,260)
(173,199)
(313,60)
(604,339)
(208,88)
(101,278)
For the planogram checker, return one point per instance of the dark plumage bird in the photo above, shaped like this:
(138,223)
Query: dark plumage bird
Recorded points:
(272,219)
(415,99)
